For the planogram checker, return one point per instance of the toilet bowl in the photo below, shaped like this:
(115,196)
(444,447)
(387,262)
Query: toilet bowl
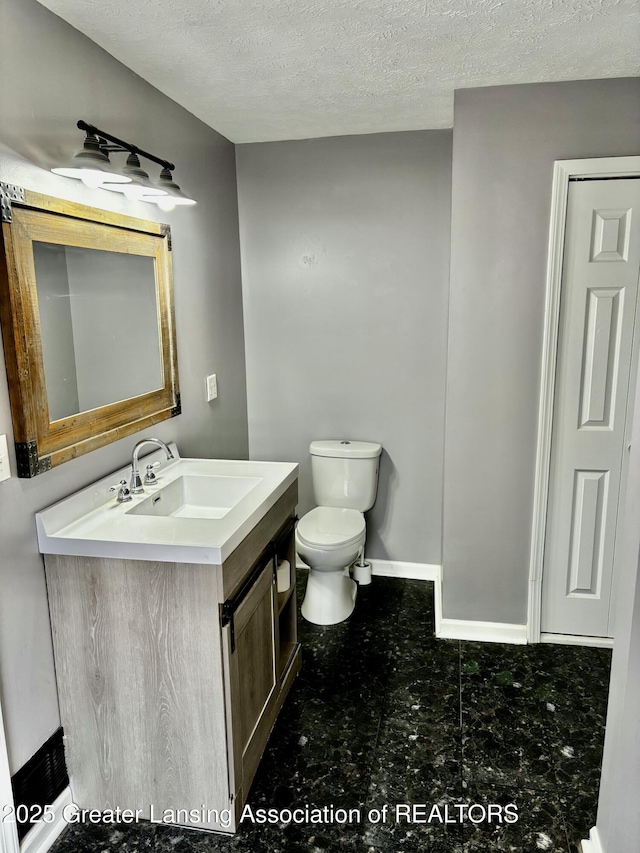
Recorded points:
(328,540)
(330,537)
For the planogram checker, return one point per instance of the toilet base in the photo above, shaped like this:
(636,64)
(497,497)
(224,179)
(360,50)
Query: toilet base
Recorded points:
(330,597)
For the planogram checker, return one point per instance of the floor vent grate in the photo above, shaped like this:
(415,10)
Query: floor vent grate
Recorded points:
(42,779)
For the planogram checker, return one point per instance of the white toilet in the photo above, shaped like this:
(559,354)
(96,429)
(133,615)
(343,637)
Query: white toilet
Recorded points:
(331,536)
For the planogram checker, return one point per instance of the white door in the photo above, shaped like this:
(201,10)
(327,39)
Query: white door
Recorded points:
(597,354)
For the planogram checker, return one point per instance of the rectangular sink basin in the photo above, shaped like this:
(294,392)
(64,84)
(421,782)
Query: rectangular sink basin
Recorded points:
(193,496)
(197,511)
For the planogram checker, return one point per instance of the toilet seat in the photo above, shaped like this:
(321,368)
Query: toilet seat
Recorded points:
(330,528)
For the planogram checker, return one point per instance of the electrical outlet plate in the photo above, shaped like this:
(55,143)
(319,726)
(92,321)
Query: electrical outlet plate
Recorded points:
(5,471)
(212,387)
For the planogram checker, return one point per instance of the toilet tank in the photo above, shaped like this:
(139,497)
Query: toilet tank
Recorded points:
(345,473)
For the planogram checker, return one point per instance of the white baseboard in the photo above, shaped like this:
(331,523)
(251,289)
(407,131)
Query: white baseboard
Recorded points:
(411,571)
(592,844)
(41,836)
(484,632)
(574,640)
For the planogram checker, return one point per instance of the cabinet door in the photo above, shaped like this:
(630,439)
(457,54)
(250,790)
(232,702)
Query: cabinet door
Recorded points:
(251,656)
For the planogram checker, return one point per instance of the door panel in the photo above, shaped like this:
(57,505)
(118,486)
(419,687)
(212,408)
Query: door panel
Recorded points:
(255,655)
(596,352)
(601,356)
(586,553)
(251,649)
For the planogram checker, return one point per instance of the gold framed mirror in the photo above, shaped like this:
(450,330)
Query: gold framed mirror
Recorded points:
(86,305)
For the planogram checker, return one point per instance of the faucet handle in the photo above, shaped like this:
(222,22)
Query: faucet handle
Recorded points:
(122,489)
(150,477)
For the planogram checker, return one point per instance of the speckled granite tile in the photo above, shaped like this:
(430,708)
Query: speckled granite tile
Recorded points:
(299,838)
(424,831)
(415,764)
(353,656)
(424,685)
(327,760)
(579,679)
(419,743)
(417,611)
(505,735)
(137,838)
(579,810)
(578,765)
(540,825)
(417,759)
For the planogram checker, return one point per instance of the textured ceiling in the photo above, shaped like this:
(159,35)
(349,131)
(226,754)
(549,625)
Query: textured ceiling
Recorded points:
(258,70)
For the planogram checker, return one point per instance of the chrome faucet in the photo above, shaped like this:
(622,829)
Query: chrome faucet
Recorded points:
(136,482)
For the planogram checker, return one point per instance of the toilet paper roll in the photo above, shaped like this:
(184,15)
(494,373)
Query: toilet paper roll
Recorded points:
(284,575)
(362,573)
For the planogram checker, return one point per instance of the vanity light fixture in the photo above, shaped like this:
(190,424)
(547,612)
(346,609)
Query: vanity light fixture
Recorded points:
(93,167)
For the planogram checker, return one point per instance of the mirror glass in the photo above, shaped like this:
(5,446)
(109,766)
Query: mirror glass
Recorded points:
(99,326)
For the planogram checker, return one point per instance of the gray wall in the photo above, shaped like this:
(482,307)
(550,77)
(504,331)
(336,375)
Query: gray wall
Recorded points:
(345,247)
(50,76)
(505,141)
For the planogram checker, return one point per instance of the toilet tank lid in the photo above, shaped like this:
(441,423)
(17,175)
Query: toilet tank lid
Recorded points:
(344,448)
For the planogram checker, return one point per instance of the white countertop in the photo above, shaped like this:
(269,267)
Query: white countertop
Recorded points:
(91,523)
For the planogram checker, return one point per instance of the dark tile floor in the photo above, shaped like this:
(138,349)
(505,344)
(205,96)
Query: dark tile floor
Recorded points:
(384,714)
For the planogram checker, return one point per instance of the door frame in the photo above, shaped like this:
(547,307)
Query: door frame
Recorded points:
(563,172)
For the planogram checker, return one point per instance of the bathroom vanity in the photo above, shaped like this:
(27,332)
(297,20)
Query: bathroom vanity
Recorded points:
(174,650)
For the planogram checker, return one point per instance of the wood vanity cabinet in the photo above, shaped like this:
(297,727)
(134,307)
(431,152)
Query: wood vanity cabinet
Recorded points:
(171,675)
